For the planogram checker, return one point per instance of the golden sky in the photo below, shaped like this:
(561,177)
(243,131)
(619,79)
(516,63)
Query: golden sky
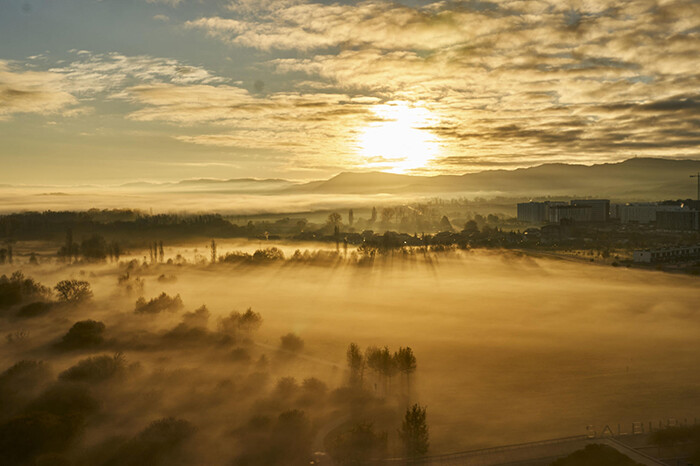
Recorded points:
(110,91)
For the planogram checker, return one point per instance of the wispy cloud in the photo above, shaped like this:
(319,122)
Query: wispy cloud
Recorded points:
(24,91)
(507,83)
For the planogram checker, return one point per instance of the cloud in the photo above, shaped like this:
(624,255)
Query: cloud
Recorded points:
(166,2)
(95,73)
(507,82)
(31,92)
(306,126)
(307,26)
(62,88)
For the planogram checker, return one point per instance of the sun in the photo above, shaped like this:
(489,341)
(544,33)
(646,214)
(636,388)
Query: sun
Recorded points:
(398,142)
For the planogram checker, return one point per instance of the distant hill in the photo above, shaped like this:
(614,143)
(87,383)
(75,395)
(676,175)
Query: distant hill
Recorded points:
(242,185)
(637,179)
(633,179)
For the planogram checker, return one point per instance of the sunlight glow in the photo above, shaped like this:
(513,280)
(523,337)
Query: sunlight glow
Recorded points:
(397,143)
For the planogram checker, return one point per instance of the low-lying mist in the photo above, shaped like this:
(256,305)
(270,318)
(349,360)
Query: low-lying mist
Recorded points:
(164,201)
(509,348)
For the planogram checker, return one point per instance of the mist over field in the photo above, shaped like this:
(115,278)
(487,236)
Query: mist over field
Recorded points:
(509,348)
(349,233)
(642,179)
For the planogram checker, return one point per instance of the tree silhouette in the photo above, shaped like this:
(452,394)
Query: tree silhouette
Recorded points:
(405,362)
(73,291)
(83,334)
(334,219)
(382,362)
(414,431)
(445,224)
(471,227)
(356,363)
(351,217)
(213,252)
(291,343)
(94,248)
(388,214)
(359,445)
(69,252)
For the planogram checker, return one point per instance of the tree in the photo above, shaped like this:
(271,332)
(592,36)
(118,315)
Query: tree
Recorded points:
(83,334)
(334,219)
(236,324)
(445,224)
(359,445)
(291,343)
(356,363)
(414,431)
(382,362)
(213,251)
(471,227)
(73,291)
(373,218)
(94,248)
(351,217)
(69,250)
(388,214)
(162,303)
(405,362)
(115,251)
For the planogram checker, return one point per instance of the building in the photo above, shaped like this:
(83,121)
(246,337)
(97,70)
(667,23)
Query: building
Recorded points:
(532,212)
(600,208)
(536,212)
(679,219)
(577,213)
(649,256)
(589,210)
(642,212)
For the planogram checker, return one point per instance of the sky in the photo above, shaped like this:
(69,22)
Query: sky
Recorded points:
(112,91)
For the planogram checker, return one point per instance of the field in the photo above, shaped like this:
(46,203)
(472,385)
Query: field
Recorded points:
(509,348)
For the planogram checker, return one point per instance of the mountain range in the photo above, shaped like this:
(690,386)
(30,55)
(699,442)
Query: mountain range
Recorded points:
(632,179)
(637,179)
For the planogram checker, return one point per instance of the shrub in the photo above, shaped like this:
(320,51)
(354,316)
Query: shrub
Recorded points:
(268,255)
(236,323)
(158,444)
(95,369)
(159,304)
(16,288)
(48,425)
(20,383)
(291,342)
(197,318)
(83,334)
(35,309)
(358,445)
